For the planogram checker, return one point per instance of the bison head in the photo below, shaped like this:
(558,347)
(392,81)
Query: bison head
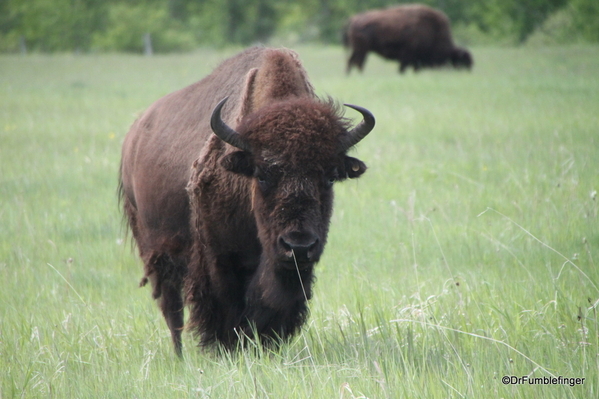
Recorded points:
(294,151)
(461,58)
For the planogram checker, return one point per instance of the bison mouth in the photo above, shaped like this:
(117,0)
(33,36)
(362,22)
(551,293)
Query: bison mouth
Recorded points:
(293,265)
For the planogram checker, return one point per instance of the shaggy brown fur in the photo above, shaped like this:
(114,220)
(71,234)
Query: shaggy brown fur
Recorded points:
(415,35)
(237,231)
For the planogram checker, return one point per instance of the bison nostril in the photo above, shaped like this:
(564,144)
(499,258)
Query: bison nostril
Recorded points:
(301,244)
(285,245)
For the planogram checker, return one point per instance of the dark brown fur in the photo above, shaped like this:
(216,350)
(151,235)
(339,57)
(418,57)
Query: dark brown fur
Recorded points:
(415,35)
(213,221)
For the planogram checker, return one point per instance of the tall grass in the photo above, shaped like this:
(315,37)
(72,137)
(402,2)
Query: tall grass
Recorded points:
(466,253)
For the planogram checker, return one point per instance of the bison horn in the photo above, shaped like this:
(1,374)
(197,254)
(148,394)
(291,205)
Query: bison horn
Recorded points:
(359,132)
(223,131)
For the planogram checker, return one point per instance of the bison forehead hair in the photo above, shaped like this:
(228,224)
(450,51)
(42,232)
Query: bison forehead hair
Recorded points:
(298,131)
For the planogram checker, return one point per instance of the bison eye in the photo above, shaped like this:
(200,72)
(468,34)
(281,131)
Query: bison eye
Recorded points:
(264,181)
(331,178)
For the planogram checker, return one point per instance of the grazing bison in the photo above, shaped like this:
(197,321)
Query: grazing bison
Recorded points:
(227,188)
(415,35)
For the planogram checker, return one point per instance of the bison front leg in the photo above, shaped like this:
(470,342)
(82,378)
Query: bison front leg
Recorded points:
(166,276)
(403,66)
(357,59)
(171,304)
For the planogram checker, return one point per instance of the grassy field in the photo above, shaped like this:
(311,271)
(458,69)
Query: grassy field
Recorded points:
(466,253)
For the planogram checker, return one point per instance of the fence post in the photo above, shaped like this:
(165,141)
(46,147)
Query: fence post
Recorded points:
(22,45)
(148,44)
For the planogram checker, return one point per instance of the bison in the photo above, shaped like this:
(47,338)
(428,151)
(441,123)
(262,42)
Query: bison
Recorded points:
(227,188)
(415,35)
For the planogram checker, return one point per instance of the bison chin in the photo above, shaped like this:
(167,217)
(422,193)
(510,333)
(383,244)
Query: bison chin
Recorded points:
(284,277)
(277,301)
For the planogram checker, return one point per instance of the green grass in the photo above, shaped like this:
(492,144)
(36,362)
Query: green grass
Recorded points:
(468,251)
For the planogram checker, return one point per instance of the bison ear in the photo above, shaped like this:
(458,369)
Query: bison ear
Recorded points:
(354,167)
(238,162)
